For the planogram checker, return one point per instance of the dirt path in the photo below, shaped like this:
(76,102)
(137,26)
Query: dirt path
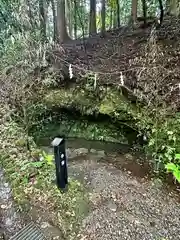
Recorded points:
(124,206)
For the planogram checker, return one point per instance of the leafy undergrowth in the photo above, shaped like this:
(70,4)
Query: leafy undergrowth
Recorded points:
(31,178)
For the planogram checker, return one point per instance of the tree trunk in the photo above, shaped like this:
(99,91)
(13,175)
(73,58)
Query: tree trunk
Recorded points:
(61,22)
(134,11)
(42,16)
(69,15)
(54,19)
(111,18)
(92,25)
(103,17)
(114,19)
(75,19)
(144,8)
(118,13)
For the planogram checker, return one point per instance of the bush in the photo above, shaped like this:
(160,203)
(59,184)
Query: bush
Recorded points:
(159,119)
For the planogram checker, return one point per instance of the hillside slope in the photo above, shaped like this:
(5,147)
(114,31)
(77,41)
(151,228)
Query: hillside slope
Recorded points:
(146,61)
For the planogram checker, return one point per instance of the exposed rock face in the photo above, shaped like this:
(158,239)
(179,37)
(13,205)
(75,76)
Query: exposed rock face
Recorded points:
(110,102)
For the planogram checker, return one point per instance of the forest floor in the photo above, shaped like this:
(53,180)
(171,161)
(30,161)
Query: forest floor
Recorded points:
(125,203)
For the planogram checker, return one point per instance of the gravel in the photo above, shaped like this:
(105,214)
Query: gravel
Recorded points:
(126,207)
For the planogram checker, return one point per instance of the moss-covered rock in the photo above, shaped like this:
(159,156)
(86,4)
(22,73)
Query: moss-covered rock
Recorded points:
(109,101)
(116,105)
(104,101)
(70,98)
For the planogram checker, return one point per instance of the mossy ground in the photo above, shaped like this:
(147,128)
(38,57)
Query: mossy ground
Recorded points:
(32,180)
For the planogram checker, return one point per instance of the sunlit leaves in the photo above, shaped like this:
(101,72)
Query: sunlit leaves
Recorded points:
(112,4)
(174,169)
(177,156)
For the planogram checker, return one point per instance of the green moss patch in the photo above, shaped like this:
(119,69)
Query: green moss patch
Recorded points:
(70,98)
(32,180)
(107,101)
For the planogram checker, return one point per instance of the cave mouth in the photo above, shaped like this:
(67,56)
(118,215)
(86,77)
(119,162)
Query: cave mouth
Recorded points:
(70,123)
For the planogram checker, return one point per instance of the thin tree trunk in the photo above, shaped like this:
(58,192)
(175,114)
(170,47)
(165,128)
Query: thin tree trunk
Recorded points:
(144,8)
(118,13)
(134,11)
(61,22)
(103,17)
(111,19)
(114,19)
(42,16)
(54,19)
(92,25)
(75,19)
(69,17)
(161,12)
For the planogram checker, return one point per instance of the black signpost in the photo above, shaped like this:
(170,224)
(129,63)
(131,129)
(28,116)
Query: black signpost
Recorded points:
(60,162)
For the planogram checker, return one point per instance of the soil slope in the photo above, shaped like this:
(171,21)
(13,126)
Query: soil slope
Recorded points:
(146,61)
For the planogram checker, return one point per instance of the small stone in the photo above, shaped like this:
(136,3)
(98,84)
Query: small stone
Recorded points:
(70,153)
(6,185)
(137,222)
(129,156)
(112,206)
(81,151)
(93,151)
(4,207)
(101,154)
(8,222)
(45,225)
(68,214)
